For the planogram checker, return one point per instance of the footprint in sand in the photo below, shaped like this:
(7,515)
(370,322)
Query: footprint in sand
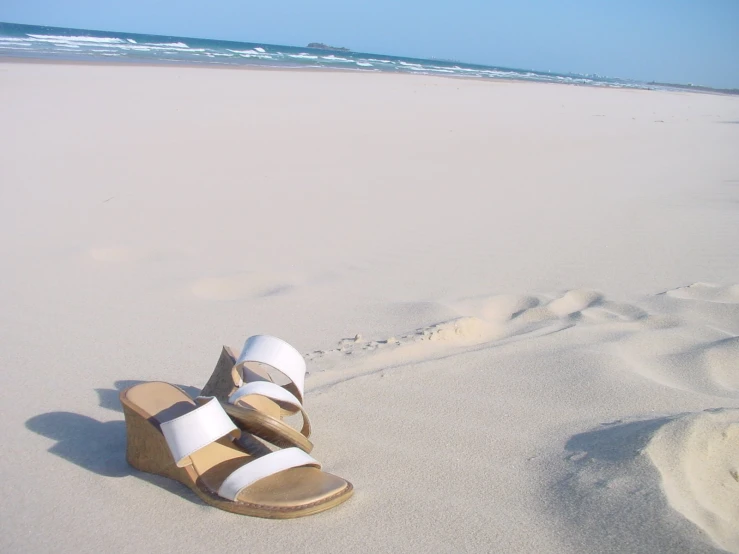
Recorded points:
(530,309)
(574,301)
(685,357)
(129,255)
(606,310)
(707,292)
(690,346)
(241,285)
(721,358)
(570,305)
(496,308)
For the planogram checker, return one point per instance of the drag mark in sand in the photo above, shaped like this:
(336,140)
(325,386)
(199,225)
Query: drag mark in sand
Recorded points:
(661,347)
(486,321)
(241,285)
(120,255)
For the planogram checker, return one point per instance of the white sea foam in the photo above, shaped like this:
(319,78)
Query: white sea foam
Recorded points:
(304,56)
(173,45)
(112,43)
(259,49)
(364,64)
(333,58)
(431,70)
(498,74)
(151,47)
(439,68)
(410,64)
(250,54)
(58,38)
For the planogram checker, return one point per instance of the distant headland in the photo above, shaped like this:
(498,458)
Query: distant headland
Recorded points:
(696,88)
(321,46)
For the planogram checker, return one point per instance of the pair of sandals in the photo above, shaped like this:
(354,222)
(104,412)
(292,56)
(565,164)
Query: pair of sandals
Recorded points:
(209,443)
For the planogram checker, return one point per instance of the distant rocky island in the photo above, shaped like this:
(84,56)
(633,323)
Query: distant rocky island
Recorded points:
(321,46)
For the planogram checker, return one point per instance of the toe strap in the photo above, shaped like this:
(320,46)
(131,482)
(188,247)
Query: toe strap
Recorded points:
(196,429)
(265,466)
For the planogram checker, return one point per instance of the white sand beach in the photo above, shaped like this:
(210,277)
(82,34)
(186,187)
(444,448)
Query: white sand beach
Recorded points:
(544,280)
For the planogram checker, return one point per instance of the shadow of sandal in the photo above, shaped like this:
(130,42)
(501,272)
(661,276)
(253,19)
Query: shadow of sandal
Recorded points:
(97,446)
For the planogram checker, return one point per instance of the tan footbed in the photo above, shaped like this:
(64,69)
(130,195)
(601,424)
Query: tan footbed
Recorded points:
(253,413)
(291,493)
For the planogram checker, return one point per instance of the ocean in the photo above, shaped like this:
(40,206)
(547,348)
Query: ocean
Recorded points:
(58,43)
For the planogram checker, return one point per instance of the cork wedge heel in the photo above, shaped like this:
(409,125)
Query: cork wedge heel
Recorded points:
(170,435)
(255,403)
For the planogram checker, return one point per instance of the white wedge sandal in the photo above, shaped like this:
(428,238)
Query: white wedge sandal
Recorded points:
(168,434)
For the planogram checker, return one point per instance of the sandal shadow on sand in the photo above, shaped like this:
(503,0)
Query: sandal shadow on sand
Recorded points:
(257,404)
(168,434)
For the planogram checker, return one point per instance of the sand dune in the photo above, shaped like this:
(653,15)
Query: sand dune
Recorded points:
(698,458)
(521,321)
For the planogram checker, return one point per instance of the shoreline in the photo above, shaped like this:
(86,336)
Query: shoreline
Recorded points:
(258,67)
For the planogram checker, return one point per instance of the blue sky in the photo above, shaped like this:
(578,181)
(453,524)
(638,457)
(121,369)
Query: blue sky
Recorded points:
(685,41)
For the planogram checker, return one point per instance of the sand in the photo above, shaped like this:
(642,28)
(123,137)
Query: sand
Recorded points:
(544,278)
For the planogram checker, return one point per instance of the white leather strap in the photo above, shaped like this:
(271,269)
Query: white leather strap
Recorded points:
(276,393)
(189,433)
(268,389)
(277,354)
(272,463)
